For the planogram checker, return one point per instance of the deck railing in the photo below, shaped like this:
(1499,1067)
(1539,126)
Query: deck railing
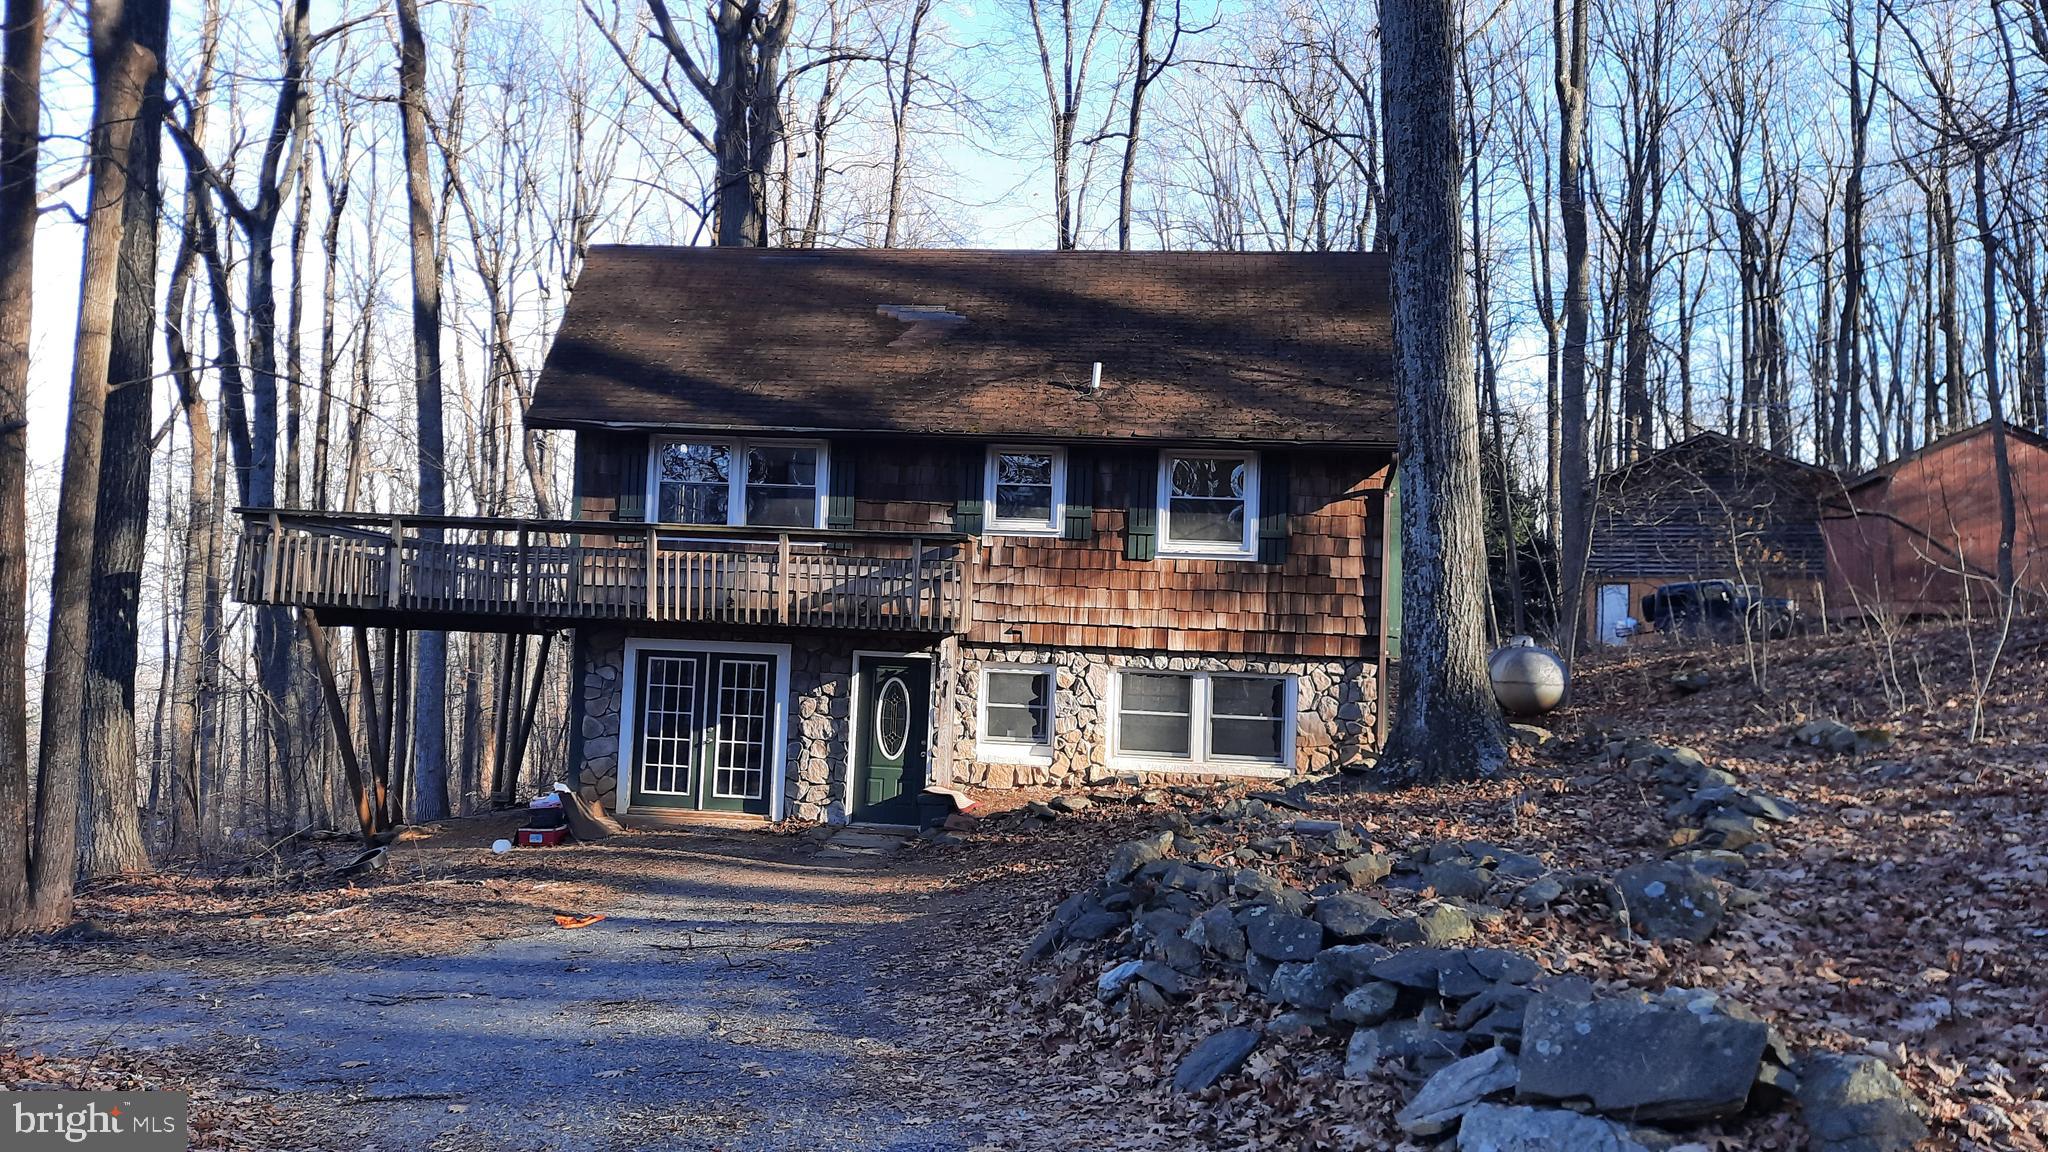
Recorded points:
(575,570)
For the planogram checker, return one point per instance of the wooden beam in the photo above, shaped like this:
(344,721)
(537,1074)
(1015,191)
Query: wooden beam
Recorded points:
(526,713)
(337,712)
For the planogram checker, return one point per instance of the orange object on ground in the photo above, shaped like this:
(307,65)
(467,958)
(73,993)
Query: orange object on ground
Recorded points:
(562,921)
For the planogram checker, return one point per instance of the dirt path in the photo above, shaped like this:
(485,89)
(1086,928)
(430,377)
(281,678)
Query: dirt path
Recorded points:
(730,1001)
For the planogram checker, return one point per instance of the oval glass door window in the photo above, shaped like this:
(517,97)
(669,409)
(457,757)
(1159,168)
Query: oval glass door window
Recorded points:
(892,718)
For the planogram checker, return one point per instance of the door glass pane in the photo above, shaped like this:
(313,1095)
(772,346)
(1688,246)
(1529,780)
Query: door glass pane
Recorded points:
(782,485)
(692,483)
(892,718)
(668,726)
(740,750)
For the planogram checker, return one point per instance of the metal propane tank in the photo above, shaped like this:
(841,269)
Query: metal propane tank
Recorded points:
(1528,679)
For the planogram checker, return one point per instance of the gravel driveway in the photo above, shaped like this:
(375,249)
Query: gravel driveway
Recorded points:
(731,1002)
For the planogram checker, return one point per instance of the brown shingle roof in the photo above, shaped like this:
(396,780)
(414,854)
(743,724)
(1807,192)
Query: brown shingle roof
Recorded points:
(1265,347)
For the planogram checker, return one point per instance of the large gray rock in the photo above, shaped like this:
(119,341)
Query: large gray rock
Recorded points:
(1856,1104)
(1453,1091)
(1304,984)
(1367,1004)
(1663,1059)
(1669,901)
(1831,735)
(1217,932)
(1507,1128)
(1214,1058)
(1367,868)
(1135,855)
(1276,935)
(1091,926)
(1348,916)
(1437,926)
(1350,965)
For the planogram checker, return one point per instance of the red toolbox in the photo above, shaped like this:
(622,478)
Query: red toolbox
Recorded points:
(539,837)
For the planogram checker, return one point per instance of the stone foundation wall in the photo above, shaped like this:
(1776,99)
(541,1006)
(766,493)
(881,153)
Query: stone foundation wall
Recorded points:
(1334,710)
(1335,715)
(815,786)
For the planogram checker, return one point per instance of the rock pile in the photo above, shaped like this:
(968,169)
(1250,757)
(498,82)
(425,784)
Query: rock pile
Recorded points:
(1492,1046)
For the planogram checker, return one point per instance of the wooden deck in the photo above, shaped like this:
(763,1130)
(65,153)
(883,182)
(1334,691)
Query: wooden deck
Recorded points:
(504,574)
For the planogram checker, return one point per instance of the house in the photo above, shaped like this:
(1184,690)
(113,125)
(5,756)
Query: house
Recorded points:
(848,523)
(1919,535)
(1710,507)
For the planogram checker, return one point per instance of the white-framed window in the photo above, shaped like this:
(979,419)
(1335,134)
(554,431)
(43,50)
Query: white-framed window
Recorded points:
(759,483)
(1204,721)
(1208,503)
(1016,713)
(1026,489)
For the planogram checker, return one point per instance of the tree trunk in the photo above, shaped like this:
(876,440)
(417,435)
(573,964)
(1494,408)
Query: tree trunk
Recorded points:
(1993,398)
(1447,726)
(21,69)
(430,681)
(122,71)
(110,828)
(900,125)
(1568,27)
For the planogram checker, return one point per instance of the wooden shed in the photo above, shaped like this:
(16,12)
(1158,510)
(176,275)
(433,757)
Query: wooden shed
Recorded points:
(1919,536)
(1710,507)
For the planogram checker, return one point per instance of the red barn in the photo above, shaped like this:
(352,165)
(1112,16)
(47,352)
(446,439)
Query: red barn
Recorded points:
(1919,536)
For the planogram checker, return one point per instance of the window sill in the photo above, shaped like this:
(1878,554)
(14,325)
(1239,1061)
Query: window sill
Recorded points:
(1039,530)
(1261,769)
(994,752)
(1184,552)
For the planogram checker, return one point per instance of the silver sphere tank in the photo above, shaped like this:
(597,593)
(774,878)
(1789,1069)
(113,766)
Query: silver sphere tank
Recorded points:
(1527,679)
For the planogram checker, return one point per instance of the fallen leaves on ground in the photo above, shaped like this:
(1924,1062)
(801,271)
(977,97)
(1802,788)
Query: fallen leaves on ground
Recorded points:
(1904,914)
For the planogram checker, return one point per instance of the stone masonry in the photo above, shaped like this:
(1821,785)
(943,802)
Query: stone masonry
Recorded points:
(1335,711)
(1335,715)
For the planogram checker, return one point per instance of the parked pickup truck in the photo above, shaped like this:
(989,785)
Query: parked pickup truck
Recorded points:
(1720,608)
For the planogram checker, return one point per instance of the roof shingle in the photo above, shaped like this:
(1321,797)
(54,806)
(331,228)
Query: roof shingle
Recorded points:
(1258,347)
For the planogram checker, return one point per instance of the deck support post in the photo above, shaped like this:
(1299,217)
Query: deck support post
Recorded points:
(337,713)
(501,723)
(517,759)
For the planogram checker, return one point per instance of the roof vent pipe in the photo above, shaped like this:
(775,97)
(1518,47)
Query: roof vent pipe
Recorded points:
(1095,378)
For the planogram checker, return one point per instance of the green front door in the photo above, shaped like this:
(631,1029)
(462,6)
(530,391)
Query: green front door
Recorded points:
(705,732)
(892,752)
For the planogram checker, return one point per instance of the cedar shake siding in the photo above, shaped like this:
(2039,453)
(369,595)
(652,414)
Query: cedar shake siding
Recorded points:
(1321,599)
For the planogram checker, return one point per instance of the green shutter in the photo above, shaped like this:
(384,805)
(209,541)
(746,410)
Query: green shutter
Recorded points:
(839,501)
(631,457)
(1141,509)
(1275,499)
(1079,523)
(967,505)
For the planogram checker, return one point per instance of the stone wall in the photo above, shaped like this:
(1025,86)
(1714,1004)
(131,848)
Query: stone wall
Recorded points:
(1335,715)
(1335,710)
(820,704)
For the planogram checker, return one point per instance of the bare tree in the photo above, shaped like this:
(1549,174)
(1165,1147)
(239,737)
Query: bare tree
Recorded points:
(743,95)
(1066,89)
(123,69)
(430,681)
(21,69)
(1447,726)
(1569,41)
